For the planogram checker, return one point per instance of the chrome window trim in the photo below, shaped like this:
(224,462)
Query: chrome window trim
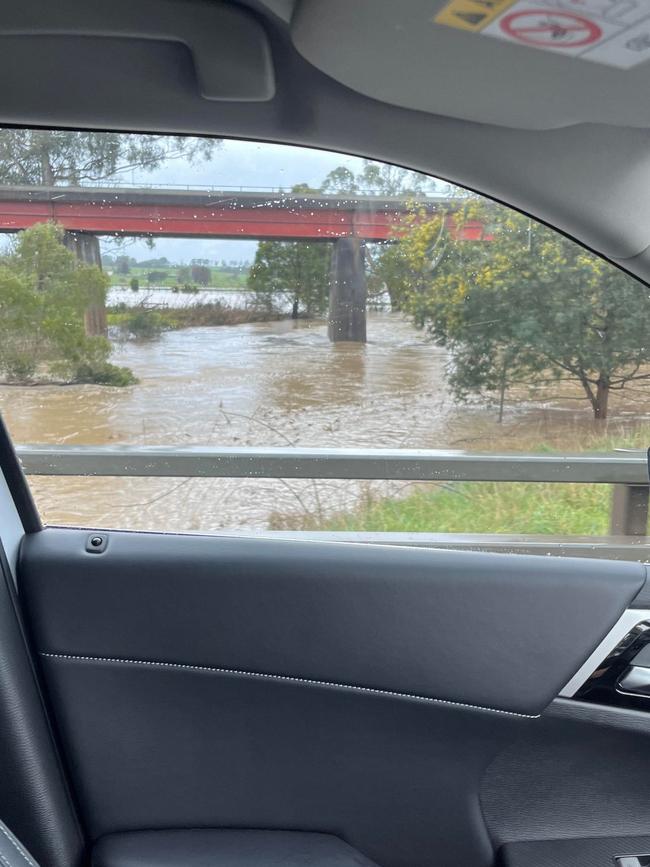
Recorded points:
(628,620)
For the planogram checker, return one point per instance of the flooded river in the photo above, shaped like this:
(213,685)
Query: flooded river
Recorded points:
(161,297)
(266,384)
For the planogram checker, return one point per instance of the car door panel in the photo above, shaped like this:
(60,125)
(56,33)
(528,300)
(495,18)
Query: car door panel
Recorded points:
(575,788)
(488,630)
(346,689)
(395,778)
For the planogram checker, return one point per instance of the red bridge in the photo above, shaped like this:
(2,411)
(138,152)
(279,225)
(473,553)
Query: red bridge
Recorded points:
(215,214)
(347,221)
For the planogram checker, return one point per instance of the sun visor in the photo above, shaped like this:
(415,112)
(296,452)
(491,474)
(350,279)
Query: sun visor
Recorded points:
(527,64)
(229,47)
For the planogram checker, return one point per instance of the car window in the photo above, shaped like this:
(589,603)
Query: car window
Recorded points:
(266,317)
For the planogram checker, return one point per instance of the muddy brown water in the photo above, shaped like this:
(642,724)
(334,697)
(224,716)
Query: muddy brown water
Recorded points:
(266,384)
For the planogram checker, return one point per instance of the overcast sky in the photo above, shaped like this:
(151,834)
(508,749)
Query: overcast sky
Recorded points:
(233,164)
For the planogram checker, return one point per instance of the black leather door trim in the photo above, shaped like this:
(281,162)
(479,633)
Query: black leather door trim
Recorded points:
(488,630)
(209,847)
(208,669)
(395,778)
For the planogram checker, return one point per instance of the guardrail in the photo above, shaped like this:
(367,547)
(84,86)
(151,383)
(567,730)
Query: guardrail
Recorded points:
(626,471)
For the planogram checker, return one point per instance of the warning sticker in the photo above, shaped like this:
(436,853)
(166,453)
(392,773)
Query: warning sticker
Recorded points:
(613,32)
(551,30)
(471,14)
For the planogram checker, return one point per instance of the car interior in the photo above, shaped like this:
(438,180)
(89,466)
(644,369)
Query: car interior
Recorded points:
(178,700)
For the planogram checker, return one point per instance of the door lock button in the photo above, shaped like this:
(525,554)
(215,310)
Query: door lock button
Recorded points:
(96,543)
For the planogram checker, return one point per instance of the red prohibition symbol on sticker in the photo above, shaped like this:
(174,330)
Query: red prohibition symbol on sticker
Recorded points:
(551,29)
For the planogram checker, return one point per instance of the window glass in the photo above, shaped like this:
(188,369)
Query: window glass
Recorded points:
(191,293)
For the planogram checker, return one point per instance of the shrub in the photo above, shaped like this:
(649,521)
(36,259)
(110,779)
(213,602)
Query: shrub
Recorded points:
(19,367)
(143,324)
(134,284)
(104,373)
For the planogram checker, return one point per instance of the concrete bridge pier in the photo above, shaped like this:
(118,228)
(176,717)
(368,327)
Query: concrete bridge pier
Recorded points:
(347,302)
(86,248)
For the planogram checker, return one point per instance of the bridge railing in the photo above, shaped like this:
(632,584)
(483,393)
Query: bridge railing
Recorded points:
(120,183)
(626,471)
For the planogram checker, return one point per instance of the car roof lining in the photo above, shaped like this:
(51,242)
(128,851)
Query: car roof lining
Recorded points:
(588,179)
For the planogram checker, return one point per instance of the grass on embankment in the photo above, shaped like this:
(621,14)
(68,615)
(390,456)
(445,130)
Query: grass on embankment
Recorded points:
(493,507)
(486,507)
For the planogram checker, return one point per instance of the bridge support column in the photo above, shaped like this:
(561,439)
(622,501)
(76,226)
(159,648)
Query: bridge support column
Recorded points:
(86,249)
(347,303)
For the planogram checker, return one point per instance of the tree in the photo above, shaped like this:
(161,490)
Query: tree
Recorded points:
(123,264)
(377,179)
(528,306)
(293,271)
(201,274)
(44,291)
(340,180)
(387,271)
(304,189)
(162,262)
(61,157)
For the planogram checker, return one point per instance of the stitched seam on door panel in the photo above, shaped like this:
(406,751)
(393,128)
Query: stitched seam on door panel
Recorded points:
(181,666)
(17,847)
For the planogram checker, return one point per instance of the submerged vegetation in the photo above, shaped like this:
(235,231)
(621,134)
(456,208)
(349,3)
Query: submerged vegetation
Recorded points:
(146,323)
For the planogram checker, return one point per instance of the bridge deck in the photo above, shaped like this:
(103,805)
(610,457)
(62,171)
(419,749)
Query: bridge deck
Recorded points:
(211,213)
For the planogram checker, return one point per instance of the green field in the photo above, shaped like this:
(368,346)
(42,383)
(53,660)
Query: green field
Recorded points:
(221,278)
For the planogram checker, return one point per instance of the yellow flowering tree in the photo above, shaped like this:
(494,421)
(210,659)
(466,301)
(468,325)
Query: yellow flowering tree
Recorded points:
(523,305)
